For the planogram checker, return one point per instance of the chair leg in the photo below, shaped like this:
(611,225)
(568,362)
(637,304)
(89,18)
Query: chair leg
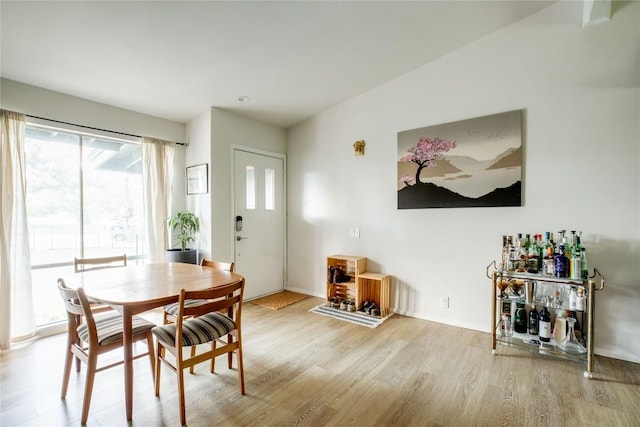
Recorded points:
(213,359)
(193,353)
(68,361)
(180,375)
(230,354)
(88,386)
(78,343)
(158,363)
(152,356)
(240,366)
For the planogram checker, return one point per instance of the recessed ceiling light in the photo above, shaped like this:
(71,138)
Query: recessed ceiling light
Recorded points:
(243,98)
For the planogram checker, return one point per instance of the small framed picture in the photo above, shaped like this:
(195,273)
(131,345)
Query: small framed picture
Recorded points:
(198,179)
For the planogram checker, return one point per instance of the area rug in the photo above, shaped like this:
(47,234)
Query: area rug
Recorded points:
(279,300)
(347,316)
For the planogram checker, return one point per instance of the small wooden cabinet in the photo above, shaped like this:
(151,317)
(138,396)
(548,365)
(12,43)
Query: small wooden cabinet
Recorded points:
(351,266)
(374,287)
(361,286)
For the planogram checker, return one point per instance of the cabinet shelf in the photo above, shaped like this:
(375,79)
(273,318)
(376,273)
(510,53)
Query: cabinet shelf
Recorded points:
(550,349)
(539,290)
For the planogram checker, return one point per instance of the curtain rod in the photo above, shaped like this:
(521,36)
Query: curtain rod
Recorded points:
(98,129)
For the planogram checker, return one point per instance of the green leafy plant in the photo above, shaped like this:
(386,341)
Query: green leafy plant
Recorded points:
(187,226)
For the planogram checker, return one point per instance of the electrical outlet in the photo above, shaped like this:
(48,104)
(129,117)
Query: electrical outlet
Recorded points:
(444,302)
(354,233)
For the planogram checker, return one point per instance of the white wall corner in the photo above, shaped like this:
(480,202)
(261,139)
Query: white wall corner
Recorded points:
(595,12)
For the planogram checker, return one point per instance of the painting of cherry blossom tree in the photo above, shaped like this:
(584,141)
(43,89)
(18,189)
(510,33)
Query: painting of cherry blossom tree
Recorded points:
(468,163)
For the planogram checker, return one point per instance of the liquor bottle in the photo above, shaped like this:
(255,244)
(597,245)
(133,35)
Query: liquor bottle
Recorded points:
(573,296)
(575,266)
(544,325)
(577,245)
(521,266)
(549,252)
(584,265)
(560,263)
(520,319)
(533,320)
(565,243)
(505,253)
(580,300)
(507,248)
(573,240)
(533,257)
(540,251)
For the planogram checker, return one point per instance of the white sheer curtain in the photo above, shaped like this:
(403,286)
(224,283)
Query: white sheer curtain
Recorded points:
(157,175)
(17,320)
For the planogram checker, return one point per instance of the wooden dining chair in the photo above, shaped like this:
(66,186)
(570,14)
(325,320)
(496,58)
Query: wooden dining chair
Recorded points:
(171,310)
(86,264)
(97,335)
(220,314)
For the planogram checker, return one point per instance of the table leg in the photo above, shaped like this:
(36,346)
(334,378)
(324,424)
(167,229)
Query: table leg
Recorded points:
(127,341)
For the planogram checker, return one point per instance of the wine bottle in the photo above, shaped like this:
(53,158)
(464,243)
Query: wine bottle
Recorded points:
(520,321)
(533,320)
(545,325)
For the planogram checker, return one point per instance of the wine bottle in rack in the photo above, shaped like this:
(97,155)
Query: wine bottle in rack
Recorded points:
(544,325)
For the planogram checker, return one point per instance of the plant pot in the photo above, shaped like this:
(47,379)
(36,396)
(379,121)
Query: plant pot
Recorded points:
(188,256)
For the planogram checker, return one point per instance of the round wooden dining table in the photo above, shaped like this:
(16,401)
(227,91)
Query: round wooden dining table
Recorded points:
(138,288)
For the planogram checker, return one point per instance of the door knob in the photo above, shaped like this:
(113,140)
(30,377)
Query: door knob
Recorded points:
(238,238)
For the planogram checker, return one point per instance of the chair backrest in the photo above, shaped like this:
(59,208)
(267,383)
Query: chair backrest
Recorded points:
(86,264)
(77,304)
(219,299)
(226,266)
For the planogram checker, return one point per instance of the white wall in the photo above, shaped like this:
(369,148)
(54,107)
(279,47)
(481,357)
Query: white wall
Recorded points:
(199,152)
(51,105)
(579,89)
(226,129)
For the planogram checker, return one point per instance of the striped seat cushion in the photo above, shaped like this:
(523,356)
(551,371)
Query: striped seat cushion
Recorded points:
(198,330)
(173,309)
(109,328)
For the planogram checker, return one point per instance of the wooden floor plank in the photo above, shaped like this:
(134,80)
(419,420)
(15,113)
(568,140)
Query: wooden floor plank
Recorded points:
(302,369)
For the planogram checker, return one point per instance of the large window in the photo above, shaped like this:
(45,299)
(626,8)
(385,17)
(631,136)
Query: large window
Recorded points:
(84,199)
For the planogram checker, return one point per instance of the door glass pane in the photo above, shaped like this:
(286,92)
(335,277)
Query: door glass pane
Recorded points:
(250,174)
(269,189)
(112,195)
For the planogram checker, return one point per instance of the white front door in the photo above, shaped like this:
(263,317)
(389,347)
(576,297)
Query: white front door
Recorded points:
(259,207)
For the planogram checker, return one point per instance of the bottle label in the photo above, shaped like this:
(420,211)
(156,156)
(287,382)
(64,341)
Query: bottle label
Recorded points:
(545,329)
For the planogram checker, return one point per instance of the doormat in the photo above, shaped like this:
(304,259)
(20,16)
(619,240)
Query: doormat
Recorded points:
(348,316)
(278,300)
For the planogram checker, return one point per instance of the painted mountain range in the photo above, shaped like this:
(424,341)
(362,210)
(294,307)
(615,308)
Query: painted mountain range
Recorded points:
(463,181)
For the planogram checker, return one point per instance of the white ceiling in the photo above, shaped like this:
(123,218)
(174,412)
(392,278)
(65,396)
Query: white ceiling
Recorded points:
(292,59)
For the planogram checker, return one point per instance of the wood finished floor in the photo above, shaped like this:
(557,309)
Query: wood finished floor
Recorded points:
(302,369)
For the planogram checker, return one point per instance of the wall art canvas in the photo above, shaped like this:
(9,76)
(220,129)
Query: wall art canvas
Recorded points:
(468,163)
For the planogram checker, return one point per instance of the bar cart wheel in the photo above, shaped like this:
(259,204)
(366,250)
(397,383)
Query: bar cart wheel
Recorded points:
(588,375)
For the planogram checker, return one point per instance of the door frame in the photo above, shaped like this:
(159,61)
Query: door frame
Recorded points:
(281,156)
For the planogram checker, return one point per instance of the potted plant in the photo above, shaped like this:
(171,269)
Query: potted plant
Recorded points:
(185,226)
